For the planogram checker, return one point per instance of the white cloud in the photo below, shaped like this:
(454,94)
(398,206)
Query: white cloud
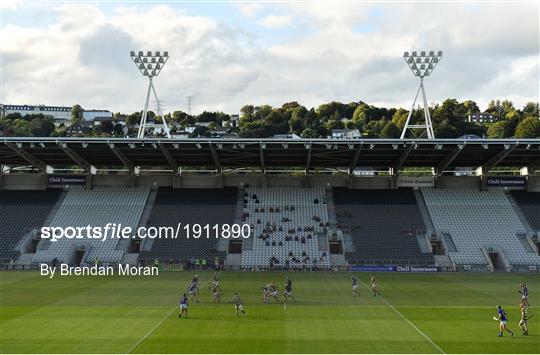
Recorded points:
(326,51)
(10,4)
(275,21)
(249,9)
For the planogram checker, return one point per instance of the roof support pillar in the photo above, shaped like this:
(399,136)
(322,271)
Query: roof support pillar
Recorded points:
(309,147)
(215,157)
(496,159)
(355,158)
(170,159)
(123,158)
(445,163)
(83,163)
(32,160)
(261,157)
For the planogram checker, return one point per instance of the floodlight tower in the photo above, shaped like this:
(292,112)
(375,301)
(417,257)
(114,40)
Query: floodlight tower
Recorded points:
(422,65)
(150,65)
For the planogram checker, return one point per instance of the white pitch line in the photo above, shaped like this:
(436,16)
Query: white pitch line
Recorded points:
(151,331)
(158,324)
(406,319)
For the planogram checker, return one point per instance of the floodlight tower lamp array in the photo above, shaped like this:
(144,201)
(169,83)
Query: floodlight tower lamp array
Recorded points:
(150,65)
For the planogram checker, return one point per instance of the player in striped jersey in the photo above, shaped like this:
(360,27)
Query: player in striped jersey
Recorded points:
(238,304)
(524,317)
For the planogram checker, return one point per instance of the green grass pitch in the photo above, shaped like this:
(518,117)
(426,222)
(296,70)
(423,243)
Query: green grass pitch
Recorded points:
(420,313)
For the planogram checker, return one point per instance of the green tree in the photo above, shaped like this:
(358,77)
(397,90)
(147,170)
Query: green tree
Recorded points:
(41,127)
(76,114)
(531,109)
(360,115)
(309,133)
(528,128)
(471,107)
(390,130)
(400,117)
(498,130)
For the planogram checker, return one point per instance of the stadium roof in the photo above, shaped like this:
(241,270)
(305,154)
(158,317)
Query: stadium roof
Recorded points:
(219,154)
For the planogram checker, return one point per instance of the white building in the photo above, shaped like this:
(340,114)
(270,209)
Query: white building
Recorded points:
(484,117)
(235,118)
(90,115)
(346,134)
(60,113)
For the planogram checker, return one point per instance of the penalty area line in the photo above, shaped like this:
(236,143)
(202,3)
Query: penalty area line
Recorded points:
(406,319)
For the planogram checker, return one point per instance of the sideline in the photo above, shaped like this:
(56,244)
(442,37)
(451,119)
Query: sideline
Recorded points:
(404,318)
(167,316)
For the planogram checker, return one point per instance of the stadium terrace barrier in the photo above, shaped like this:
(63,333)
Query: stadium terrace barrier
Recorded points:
(394,268)
(179,267)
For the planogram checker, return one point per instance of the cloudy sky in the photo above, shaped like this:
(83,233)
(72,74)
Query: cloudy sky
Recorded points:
(227,54)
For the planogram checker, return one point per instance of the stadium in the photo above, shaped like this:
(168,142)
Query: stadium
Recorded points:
(439,240)
(347,227)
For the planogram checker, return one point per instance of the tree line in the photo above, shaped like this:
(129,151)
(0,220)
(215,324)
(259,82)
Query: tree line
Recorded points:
(449,121)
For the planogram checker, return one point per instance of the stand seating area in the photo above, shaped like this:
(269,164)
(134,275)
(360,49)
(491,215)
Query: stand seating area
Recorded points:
(383,225)
(285,223)
(189,206)
(20,213)
(478,220)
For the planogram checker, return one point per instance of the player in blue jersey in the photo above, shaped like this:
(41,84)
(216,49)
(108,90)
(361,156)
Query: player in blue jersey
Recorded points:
(503,320)
(183,303)
(355,287)
(524,291)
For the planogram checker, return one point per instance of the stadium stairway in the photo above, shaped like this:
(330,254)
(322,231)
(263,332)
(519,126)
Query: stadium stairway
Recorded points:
(223,244)
(426,217)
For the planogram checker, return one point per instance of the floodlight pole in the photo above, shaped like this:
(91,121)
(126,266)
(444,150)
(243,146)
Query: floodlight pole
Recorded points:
(165,125)
(428,126)
(421,65)
(142,126)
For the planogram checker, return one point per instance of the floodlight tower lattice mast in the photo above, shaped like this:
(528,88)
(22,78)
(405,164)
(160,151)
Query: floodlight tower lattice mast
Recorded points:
(422,65)
(150,65)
